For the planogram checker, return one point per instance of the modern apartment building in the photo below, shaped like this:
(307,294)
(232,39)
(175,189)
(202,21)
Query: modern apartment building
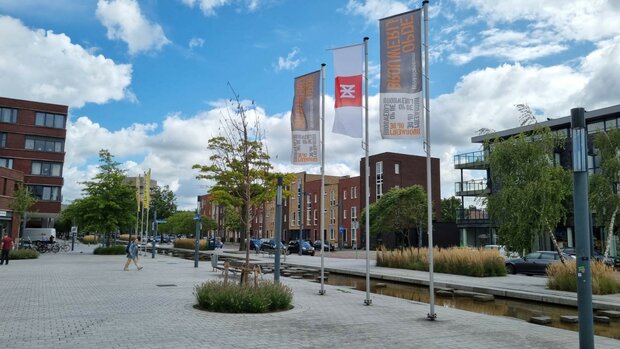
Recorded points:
(32,142)
(475,227)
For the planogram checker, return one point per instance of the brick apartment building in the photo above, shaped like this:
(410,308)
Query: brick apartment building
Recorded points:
(32,151)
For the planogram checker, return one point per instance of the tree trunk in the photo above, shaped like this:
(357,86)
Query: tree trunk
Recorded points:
(610,233)
(557,247)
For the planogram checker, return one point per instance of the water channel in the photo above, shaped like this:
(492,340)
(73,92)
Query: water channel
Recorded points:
(514,308)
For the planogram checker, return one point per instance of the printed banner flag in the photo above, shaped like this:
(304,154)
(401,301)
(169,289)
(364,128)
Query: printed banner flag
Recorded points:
(348,90)
(305,119)
(147,188)
(138,192)
(401,76)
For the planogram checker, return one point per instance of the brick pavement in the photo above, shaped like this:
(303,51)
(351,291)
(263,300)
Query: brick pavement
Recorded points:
(85,301)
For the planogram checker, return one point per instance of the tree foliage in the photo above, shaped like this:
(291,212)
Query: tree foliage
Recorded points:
(449,207)
(164,201)
(604,195)
(533,194)
(398,211)
(22,202)
(108,203)
(183,222)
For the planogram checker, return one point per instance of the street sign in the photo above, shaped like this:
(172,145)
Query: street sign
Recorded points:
(197,217)
(161,221)
(341,230)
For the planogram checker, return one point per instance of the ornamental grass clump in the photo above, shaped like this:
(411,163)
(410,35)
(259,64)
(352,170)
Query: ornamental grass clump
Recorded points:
(89,239)
(189,244)
(230,297)
(563,277)
(23,254)
(460,261)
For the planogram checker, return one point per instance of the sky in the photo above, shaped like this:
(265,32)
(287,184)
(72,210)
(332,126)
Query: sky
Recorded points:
(150,80)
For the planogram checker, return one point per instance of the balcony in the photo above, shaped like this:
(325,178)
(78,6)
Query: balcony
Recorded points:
(476,160)
(472,217)
(474,187)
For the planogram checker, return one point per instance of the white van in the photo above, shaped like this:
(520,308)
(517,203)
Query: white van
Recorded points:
(39,234)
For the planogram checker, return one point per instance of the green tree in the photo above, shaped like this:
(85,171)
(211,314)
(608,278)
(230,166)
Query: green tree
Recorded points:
(449,207)
(109,204)
(183,222)
(534,193)
(21,203)
(604,196)
(398,211)
(164,201)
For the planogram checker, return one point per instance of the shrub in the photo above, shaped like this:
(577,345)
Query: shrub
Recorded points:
(461,261)
(189,244)
(112,250)
(563,277)
(89,239)
(23,253)
(234,298)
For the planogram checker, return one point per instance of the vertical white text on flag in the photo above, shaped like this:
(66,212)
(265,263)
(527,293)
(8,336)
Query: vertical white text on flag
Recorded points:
(348,90)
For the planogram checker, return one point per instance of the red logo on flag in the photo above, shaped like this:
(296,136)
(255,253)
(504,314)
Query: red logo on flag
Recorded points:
(348,91)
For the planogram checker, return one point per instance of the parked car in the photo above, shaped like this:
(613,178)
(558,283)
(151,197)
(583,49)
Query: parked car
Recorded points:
(533,263)
(216,242)
(271,245)
(610,260)
(255,244)
(306,248)
(502,251)
(327,246)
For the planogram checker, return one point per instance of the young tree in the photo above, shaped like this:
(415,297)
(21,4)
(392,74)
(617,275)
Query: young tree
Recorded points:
(534,193)
(449,207)
(164,201)
(22,201)
(399,210)
(604,195)
(109,203)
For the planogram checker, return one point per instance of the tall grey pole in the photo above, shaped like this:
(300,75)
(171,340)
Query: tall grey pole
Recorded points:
(429,193)
(368,300)
(154,232)
(322,227)
(197,239)
(582,230)
(276,271)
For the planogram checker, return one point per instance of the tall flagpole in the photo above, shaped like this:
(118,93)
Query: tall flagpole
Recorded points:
(322,227)
(367,301)
(429,202)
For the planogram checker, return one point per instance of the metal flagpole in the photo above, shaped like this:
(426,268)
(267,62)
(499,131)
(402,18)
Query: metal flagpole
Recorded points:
(429,202)
(142,230)
(322,227)
(367,301)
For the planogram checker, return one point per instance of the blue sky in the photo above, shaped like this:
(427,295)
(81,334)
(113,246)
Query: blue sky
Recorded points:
(147,79)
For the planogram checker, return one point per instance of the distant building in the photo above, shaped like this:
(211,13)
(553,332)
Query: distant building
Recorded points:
(32,142)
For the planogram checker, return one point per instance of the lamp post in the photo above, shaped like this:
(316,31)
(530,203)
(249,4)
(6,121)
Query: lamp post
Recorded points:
(276,271)
(197,238)
(582,230)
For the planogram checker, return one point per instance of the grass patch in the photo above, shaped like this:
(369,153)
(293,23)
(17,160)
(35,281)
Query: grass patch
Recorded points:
(23,253)
(189,244)
(230,297)
(112,250)
(563,277)
(460,261)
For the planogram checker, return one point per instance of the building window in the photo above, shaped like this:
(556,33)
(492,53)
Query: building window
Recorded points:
(316,220)
(397,168)
(353,223)
(40,168)
(295,221)
(45,193)
(6,163)
(45,144)
(315,198)
(50,120)
(331,234)
(596,127)
(332,216)
(8,115)
(344,194)
(344,214)
(3,137)
(379,179)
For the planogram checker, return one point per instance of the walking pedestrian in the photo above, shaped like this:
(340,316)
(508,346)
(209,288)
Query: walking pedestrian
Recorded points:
(132,255)
(7,244)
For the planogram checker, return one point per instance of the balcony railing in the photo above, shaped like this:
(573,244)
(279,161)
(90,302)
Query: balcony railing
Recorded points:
(473,187)
(471,215)
(473,160)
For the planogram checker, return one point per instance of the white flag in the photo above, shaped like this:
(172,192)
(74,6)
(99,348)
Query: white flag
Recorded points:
(348,90)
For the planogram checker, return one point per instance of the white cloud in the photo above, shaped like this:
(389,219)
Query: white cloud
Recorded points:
(209,7)
(124,21)
(44,66)
(374,10)
(196,42)
(288,63)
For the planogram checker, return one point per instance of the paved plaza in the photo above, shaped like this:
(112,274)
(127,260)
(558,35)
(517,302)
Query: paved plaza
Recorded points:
(79,300)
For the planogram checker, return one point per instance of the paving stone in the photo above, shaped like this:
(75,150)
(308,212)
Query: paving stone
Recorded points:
(444,293)
(484,298)
(602,319)
(613,314)
(569,319)
(540,320)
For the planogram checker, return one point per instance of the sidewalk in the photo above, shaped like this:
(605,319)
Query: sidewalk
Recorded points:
(79,300)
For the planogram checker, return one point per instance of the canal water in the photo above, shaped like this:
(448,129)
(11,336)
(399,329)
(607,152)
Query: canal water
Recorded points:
(519,309)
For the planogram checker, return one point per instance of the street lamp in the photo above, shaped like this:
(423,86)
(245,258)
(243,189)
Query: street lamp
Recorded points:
(582,224)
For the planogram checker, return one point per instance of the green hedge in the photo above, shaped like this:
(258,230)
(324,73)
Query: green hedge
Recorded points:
(116,249)
(23,254)
(233,298)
